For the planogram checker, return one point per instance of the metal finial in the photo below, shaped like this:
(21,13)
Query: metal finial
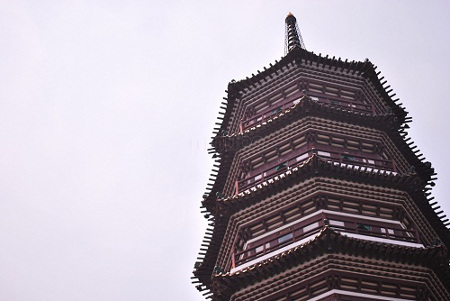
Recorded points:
(293,38)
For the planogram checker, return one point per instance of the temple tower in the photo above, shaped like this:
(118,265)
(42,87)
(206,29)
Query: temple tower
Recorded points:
(317,192)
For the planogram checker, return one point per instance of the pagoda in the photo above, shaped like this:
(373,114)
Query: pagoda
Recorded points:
(317,192)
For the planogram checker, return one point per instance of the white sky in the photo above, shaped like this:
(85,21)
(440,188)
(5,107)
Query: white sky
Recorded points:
(107,107)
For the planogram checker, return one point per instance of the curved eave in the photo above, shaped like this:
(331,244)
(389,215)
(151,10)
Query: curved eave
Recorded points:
(204,266)
(308,107)
(329,241)
(318,167)
(217,181)
(365,69)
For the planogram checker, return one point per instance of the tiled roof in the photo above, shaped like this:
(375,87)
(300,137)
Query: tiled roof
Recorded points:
(328,241)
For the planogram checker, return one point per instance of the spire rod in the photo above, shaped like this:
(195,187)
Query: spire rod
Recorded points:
(293,38)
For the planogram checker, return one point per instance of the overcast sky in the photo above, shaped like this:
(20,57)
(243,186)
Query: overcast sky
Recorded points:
(107,107)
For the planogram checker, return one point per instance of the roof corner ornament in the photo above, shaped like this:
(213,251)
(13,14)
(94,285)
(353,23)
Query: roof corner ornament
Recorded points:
(293,38)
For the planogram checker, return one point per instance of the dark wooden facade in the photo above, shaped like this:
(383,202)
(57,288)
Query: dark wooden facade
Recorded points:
(317,192)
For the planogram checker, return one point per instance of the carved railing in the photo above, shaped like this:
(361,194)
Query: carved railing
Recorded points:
(342,158)
(312,225)
(338,102)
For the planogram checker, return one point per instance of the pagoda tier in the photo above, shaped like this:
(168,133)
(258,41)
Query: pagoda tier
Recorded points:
(334,265)
(317,193)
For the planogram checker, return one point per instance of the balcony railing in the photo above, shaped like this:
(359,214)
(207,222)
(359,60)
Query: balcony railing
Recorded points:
(276,243)
(267,114)
(312,225)
(340,103)
(341,158)
(344,104)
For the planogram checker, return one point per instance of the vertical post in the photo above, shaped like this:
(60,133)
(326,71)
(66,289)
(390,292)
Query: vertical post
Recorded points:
(236,187)
(233,260)
(416,236)
(322,220)
(394,168)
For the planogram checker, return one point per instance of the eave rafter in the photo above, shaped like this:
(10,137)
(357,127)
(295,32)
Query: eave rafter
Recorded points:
(317,166)
(327,242)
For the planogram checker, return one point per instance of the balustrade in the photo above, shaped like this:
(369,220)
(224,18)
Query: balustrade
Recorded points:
(344,104)
(341,158)
(312,225)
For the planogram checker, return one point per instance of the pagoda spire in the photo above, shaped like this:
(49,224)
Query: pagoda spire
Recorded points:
(293,37)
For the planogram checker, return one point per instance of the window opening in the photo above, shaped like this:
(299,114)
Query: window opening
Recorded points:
(348,157)
(335,102)
(310,227)
(285,238)
(363,227)
(280,166)
(274,111)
